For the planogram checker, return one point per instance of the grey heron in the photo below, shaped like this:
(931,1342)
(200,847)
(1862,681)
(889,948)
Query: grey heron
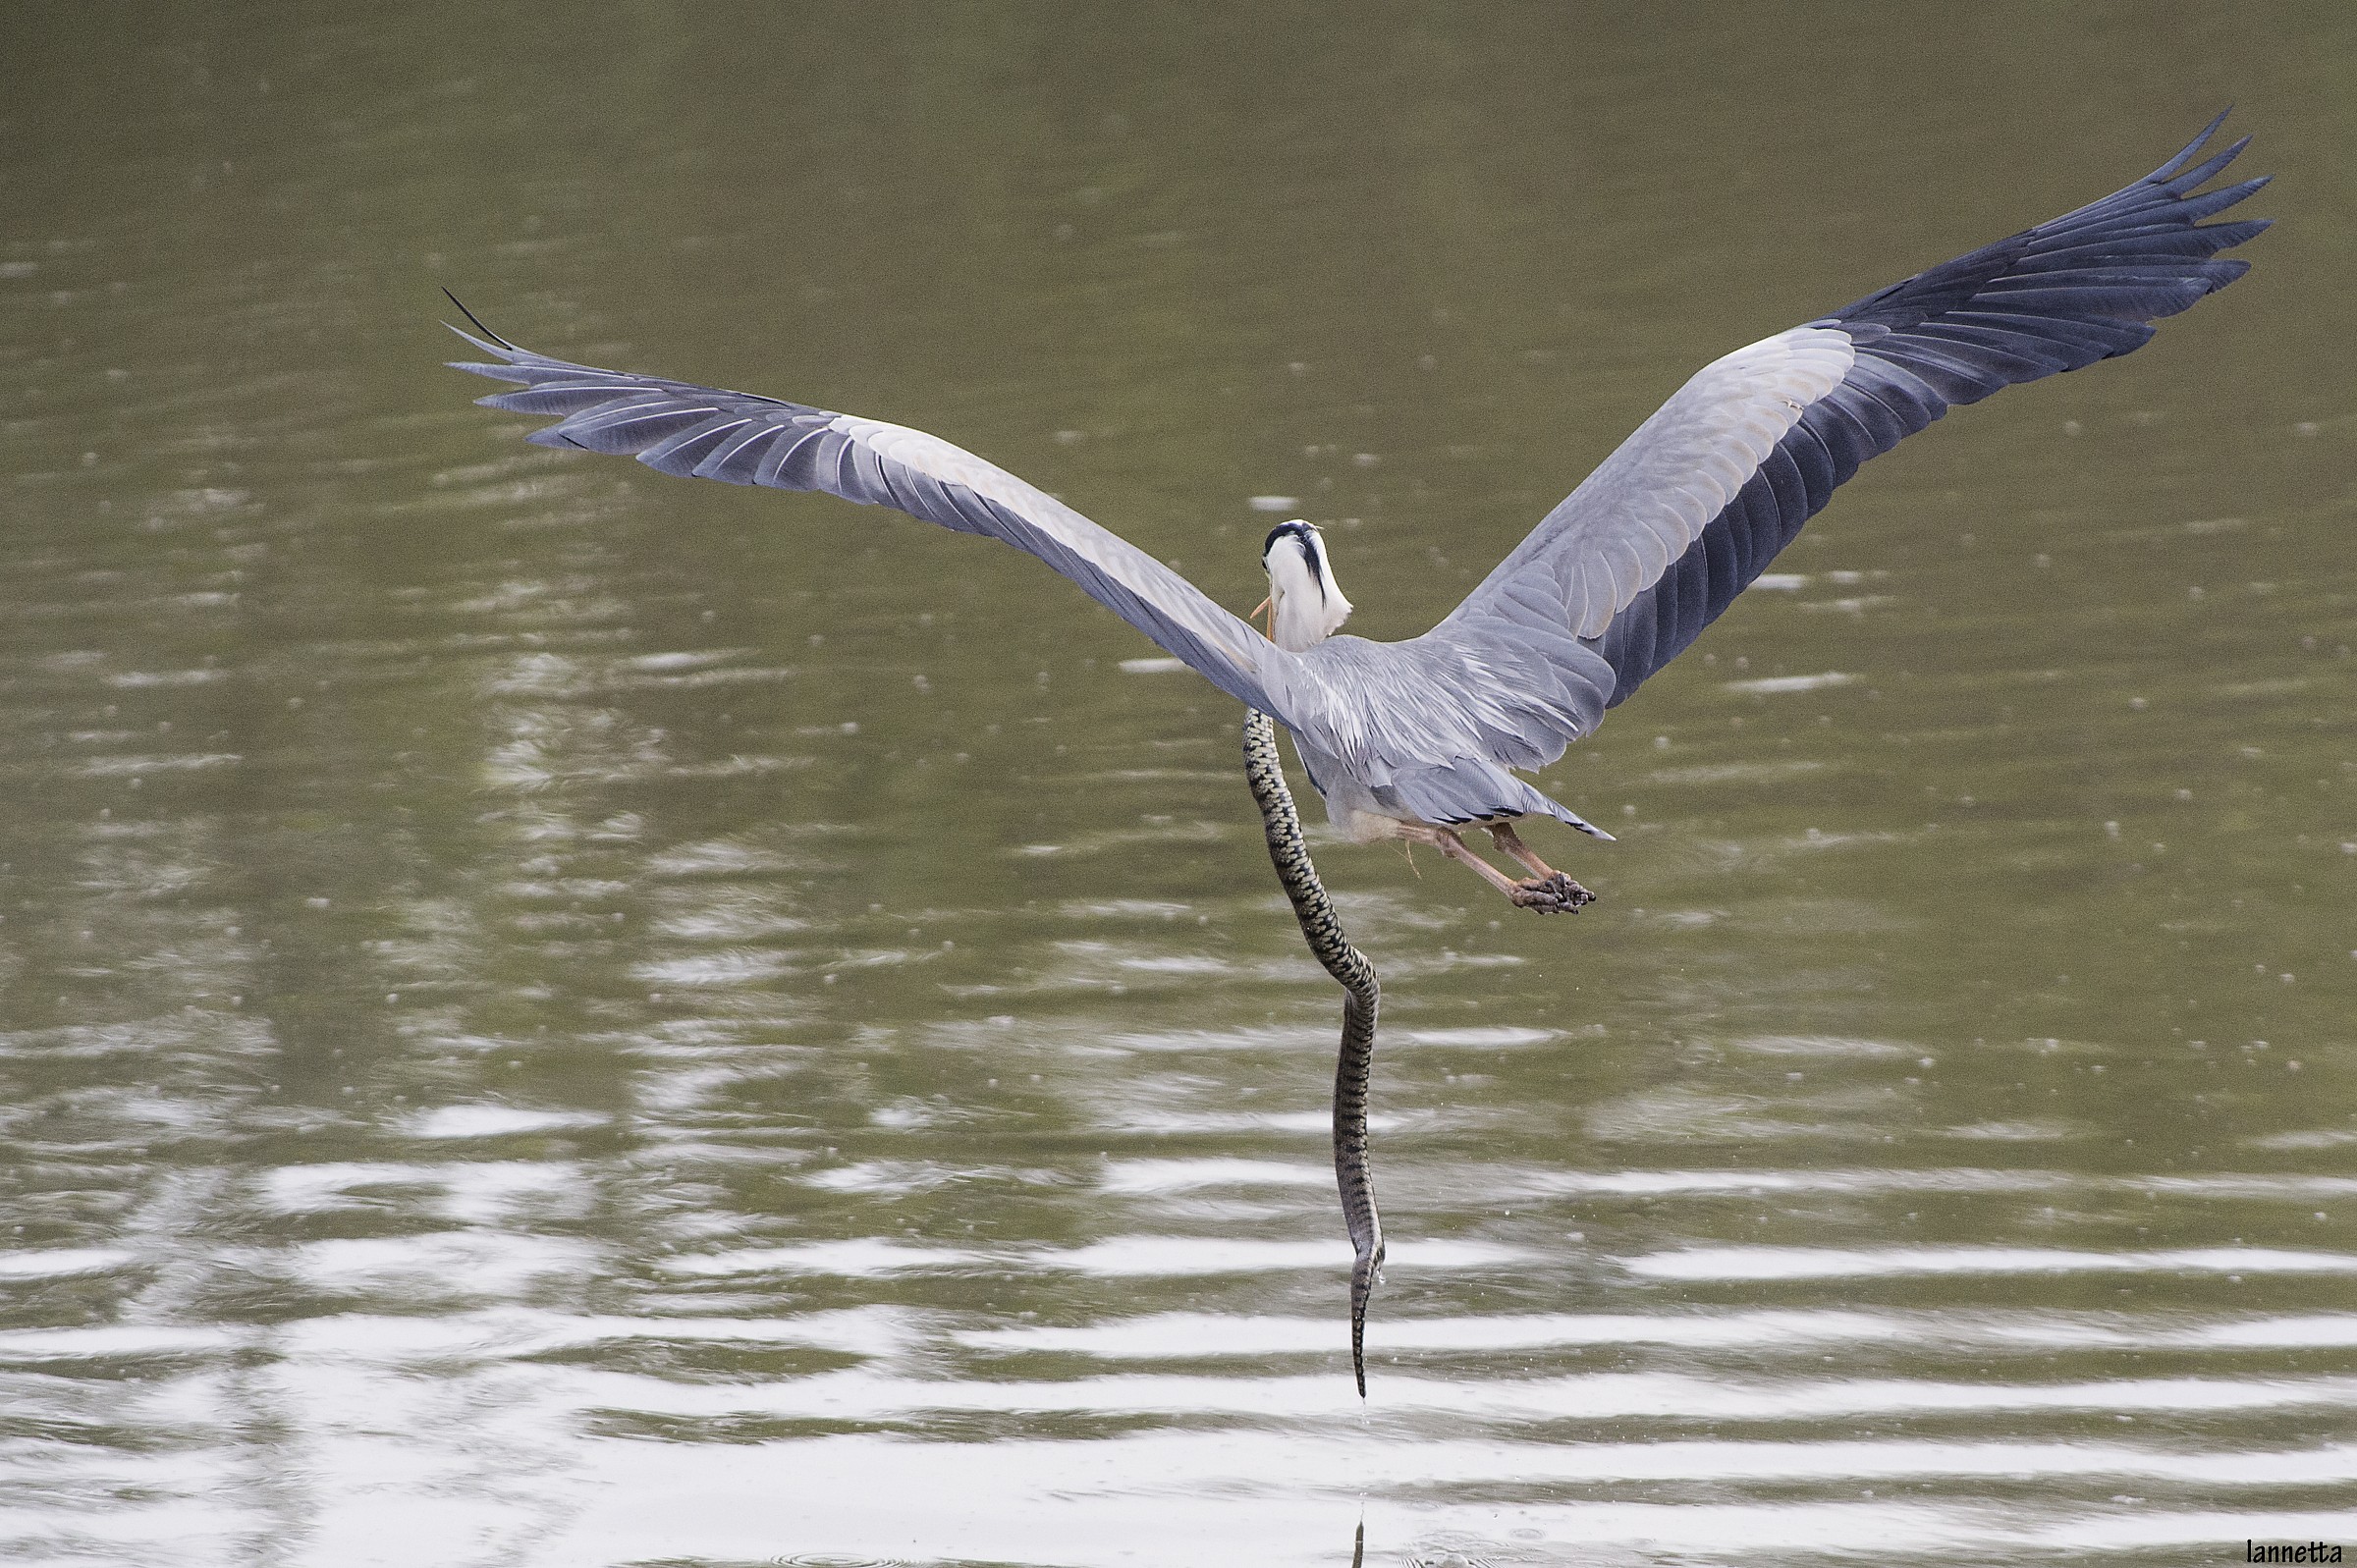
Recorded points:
(1422,739)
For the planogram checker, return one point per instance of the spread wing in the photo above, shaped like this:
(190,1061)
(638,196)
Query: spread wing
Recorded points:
(1693,507)
(740,438)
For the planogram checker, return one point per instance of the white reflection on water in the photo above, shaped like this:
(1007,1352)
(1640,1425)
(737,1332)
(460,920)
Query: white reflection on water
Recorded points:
(61,1263)
(1220,1498)
(1825,1263)
(1179,1336)
(863,1395)
(514,1333)
(1144,1176)
(2288,1188)
(1485,1430)
(1768,685)
(1140,1256)
(496,1121)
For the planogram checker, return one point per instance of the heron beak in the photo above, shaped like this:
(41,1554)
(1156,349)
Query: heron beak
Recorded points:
(1263,609)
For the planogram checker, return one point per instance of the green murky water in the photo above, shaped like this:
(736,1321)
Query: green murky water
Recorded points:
(558,1016)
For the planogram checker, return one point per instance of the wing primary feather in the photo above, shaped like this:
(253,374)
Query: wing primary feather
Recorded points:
(496,343)
(2169,168)
(686,452)
(736,460)
(784,454)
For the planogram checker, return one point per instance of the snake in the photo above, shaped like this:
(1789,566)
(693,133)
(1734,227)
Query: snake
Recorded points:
(1354,1061)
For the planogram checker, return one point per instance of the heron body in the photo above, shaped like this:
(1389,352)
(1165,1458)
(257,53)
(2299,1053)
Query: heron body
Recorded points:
(1422,738)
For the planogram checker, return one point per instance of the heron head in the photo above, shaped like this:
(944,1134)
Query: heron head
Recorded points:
(1305,605)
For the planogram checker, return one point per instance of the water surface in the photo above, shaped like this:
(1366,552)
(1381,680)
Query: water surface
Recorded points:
(557,1017)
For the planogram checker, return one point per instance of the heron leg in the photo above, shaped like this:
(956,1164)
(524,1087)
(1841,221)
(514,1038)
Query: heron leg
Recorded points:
(1552,895)
(1567,894)
(1504,835)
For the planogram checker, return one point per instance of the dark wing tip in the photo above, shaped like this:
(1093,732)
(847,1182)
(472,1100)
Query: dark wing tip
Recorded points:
(476,322)
(2170,169)
(491,342)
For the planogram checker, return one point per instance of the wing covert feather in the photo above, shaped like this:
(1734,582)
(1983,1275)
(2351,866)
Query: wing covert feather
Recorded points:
(1644,507)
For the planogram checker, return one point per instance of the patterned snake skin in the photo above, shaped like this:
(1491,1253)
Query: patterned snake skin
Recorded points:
(1360,994)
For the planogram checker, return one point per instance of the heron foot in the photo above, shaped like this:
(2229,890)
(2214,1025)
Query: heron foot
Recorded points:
(1551,895)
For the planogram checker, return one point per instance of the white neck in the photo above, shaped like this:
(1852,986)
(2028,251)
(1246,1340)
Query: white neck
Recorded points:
(1305,604)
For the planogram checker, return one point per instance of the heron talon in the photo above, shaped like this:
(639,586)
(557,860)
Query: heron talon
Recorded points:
(1551,895)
